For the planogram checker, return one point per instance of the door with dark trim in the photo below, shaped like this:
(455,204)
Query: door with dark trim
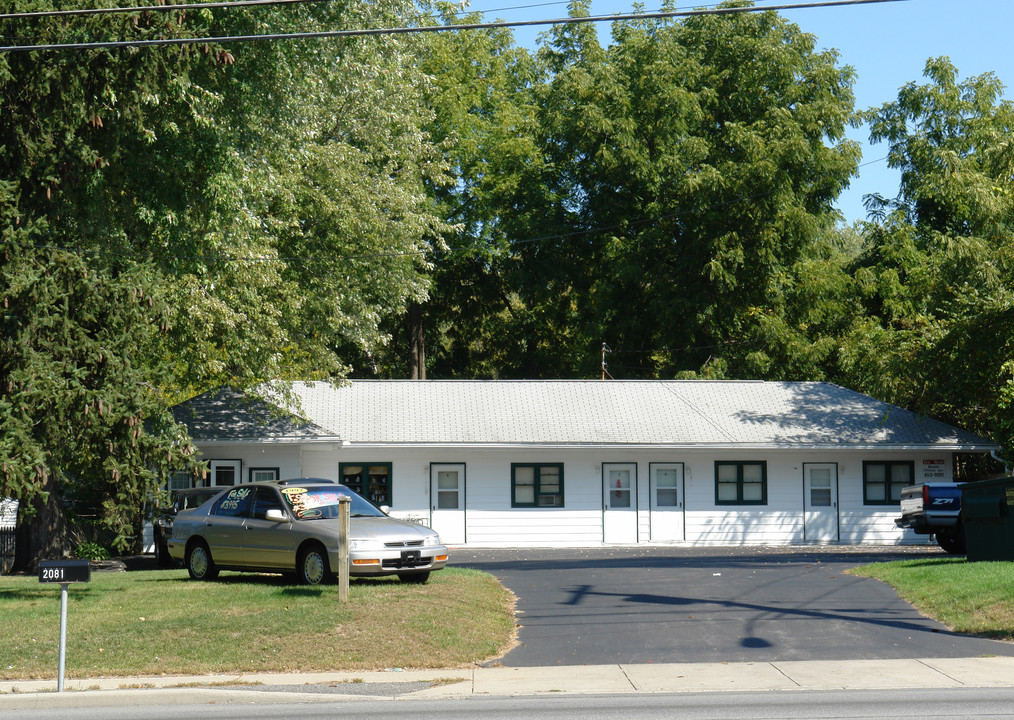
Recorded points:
(619,503)
(447,502)
(225,472)
(666,487)
(820,502)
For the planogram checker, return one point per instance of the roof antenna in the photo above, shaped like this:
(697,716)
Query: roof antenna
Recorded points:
(605,349)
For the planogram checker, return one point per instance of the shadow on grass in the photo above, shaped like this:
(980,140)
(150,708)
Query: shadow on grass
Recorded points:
(281,580)
(286,583)
(927,562)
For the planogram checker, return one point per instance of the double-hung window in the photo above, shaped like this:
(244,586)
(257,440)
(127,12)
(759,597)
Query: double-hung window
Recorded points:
(180,480)
(536,485)
(263,474)
(883,481)
(741,483)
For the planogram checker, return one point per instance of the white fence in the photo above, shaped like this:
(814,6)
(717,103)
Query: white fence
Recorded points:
(8,519)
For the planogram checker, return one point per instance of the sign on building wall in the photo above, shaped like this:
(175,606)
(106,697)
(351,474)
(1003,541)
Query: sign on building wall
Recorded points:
(934,471)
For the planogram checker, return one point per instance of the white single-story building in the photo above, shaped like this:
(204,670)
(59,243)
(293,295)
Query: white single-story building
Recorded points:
(501,463)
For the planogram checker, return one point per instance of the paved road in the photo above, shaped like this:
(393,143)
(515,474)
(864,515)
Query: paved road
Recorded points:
(681,605)
(964,704)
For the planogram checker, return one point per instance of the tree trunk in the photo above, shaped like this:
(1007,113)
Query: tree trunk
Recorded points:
(417,345)
(44,537)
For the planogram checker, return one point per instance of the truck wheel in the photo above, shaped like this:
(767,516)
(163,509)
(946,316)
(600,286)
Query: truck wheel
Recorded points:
(162,557)
(953,542)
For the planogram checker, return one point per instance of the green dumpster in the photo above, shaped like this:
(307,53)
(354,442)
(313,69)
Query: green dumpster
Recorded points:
(987,514)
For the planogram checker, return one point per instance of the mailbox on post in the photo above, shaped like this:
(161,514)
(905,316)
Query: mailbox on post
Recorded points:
(63,572)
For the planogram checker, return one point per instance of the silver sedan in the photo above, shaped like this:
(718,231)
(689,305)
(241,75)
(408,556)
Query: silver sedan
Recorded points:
(291,526)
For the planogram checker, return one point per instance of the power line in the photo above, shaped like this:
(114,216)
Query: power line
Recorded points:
(45,14)
(203,5)
(630,224)
(147,8)
(429,28)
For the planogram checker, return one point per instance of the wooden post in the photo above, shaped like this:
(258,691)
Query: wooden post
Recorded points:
(344,503)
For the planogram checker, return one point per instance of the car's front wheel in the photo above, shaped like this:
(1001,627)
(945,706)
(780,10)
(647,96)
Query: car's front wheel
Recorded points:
(313,566)
(199,562)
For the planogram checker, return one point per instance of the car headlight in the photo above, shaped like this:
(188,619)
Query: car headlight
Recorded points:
(365,545)
(431,540)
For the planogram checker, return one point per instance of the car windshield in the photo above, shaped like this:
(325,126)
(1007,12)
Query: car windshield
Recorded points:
(322,503)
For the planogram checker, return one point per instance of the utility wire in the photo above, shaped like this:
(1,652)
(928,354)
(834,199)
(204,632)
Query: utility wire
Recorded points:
(430,28)
(203,5)
(410,253)
(630,224)
(147,8)
(45,14)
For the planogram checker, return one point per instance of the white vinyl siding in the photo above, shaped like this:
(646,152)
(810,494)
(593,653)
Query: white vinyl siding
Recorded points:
(491,521)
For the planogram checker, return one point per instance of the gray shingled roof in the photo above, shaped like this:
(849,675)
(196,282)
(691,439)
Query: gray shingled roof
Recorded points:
(695,413)
(225,414)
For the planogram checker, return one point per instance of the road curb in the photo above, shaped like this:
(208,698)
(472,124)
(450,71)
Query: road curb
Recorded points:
(982,672)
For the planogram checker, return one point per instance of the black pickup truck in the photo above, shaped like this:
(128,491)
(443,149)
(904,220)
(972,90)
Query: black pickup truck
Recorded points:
(934,509)
(163,524)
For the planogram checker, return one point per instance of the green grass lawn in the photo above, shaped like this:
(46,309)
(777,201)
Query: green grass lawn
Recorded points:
(968,597)
(161,622)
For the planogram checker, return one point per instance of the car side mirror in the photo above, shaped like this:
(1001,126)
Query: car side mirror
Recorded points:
(275,515)
(386,509)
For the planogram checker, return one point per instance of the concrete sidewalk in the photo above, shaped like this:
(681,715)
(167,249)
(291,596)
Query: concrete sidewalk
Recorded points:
(449,683)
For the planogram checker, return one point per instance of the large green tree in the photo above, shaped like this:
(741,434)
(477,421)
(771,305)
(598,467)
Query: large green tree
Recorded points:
(79,136)
(485,115)
(936,278)
(176,218)
(673,181)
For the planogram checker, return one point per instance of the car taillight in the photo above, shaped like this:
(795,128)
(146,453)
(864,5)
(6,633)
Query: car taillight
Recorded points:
(925,495)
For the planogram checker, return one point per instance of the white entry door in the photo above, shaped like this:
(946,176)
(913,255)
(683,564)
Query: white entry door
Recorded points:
(619,503)
(666,485)
(447,502)
(820,501)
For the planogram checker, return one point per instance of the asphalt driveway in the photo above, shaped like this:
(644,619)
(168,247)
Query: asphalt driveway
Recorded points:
(677,604)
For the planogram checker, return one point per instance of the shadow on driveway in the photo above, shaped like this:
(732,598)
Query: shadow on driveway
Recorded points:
(681,604)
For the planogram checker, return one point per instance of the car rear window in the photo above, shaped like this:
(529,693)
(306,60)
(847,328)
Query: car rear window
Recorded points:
(234,503)
(192,501)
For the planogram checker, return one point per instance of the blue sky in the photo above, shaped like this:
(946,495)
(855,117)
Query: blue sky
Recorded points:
(887,44)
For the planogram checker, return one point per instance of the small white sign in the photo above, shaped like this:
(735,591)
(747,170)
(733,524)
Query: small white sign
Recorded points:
(8,512)
(933,470)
